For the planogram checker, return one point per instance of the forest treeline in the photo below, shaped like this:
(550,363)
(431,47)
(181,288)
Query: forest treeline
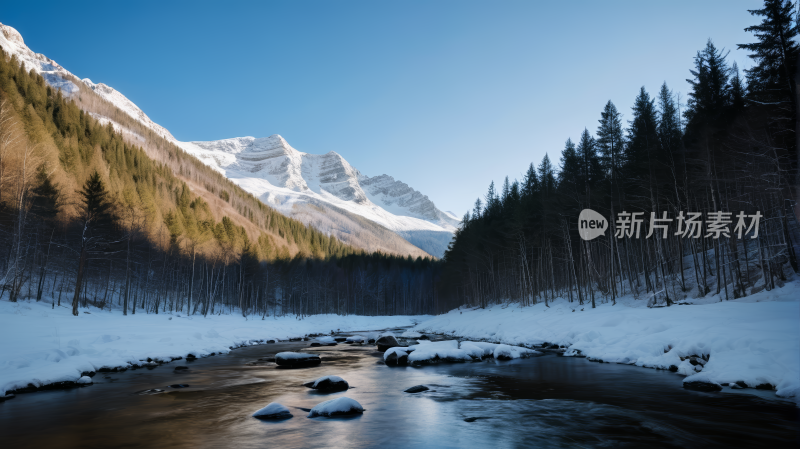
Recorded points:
(88,217)
(731,148)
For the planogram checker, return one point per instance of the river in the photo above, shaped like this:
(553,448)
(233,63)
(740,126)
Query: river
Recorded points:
(548,401)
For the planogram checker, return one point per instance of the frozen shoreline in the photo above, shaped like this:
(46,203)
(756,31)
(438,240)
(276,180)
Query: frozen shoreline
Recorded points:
(44,346)
(755,339)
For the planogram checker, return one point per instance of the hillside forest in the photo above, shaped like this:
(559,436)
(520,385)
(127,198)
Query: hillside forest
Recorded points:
(99,210)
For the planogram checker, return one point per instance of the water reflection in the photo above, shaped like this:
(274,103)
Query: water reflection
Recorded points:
(543,402)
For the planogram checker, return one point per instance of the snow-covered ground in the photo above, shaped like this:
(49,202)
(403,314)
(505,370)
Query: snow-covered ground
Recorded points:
(755,339)
(42,346)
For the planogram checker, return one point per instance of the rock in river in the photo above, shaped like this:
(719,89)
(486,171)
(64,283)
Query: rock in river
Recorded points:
(386,342)
(296,359)
(336,407)
(417,389)
(273,411)
(328,384)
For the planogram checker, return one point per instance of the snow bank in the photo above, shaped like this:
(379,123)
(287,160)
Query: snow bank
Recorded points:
(755,339)
(335,407)
(506,352)
(42,346)
(427,352)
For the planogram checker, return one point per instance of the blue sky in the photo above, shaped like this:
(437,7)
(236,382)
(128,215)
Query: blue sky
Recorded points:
(443,95)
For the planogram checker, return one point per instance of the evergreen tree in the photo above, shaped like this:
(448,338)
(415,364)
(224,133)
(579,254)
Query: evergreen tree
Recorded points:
(775,53)
(710,94)
(610,140)
(640,156)
(96,222)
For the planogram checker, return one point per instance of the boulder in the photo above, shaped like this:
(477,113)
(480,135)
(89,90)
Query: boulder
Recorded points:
(702,386)
(340,339)
(386,342)
(273,411)
(417,389)
(179,386)
(336,407)
(296,359)
(765,386)
(328,384)
(315,344)
(397,356)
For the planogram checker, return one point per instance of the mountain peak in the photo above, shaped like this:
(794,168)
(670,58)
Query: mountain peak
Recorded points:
(11,34)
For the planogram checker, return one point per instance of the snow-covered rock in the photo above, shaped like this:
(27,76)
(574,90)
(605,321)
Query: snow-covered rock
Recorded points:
(385,342)
(355,339)
(296,359)
(326,340)
(396,356)
(273,411)
(328,384)
(435,352)
(85,380)
(336,407)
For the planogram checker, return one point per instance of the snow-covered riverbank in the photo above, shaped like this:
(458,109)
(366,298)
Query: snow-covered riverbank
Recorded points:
(755,339)
(43,346)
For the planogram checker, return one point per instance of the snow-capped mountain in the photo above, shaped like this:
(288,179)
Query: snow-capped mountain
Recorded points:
(284,177)
(300,185)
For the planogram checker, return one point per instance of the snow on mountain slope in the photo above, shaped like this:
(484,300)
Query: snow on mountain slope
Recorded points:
(284,177)
(54,74)
(297,184)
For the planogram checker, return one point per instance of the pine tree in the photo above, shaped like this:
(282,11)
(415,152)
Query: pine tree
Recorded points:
(96,222)
(775,53)
(710,94)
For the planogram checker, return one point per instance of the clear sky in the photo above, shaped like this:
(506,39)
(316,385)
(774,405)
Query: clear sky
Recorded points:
(443,95)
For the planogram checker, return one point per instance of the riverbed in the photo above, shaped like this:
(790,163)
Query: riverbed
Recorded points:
(547,401)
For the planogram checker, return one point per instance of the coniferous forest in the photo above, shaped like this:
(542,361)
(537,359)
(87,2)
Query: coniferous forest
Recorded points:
(91,215)
(89,218)
(732,147)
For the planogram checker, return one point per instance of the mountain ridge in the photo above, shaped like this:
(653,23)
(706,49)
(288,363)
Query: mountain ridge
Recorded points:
(288,180)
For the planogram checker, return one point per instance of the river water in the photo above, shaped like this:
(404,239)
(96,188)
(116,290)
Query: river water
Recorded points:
(548,401)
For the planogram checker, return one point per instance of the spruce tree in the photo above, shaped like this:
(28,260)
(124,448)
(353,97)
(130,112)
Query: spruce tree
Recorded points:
(95,232)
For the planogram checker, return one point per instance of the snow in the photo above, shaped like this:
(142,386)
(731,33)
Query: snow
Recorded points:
(334,379)
(429,351)
(284,178)
(355,339)
(410,334)
(399,350)
(273,410)
(294,356)
(512,352)
(338,406)
(755,339)
(85,380)
(41,345)
(326,340)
